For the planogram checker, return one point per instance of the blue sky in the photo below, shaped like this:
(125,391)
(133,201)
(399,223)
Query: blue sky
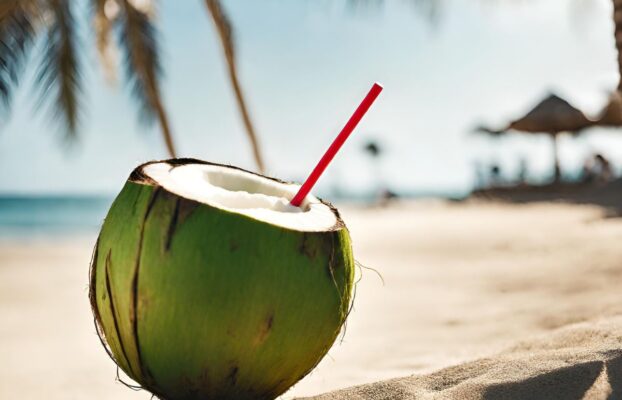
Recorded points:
(305,65)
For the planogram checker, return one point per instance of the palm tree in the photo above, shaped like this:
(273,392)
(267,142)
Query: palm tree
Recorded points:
(59,76)
(225,34)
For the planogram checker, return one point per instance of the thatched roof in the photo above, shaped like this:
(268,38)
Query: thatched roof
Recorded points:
(552,115)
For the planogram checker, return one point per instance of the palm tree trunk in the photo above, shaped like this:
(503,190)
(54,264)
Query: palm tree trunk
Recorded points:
(558,171)
(166,129)
(617,20)
(223,27)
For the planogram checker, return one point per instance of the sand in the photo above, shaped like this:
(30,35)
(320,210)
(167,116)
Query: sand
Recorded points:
(532,293)
(582,362)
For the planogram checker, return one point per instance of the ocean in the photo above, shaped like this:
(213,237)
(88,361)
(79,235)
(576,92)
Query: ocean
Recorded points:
(62,215)
(26,216)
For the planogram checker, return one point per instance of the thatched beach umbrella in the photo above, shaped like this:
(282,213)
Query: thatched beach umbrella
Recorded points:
(552,116)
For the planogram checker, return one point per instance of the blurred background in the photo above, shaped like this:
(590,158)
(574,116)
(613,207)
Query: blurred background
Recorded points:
(481,98)
(447,66)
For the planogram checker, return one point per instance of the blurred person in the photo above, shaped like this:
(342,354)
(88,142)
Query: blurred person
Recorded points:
(495,174)
(587,171)
(596,168)
(604,172)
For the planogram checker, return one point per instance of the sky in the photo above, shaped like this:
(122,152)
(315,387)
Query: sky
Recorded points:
(306,64)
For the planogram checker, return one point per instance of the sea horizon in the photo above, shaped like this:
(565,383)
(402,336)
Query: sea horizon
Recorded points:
(49,215)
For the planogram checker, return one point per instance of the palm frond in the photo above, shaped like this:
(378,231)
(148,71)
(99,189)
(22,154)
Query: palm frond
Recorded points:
(223,25)
(225,34)
(617,20)
(8,7)
(17,32)
(139,42)
(104,15)
(59,74)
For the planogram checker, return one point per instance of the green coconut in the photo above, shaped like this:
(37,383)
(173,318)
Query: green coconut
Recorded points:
(206,284)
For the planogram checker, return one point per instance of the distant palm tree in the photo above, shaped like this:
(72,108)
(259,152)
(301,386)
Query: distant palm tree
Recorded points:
(59,75)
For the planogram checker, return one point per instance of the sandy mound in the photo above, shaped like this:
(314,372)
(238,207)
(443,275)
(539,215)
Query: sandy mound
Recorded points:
(582,362)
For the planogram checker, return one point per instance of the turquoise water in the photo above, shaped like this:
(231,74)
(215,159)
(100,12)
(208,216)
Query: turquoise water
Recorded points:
(51,215)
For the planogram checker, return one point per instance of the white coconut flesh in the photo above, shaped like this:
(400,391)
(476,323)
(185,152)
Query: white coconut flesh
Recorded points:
(244,193)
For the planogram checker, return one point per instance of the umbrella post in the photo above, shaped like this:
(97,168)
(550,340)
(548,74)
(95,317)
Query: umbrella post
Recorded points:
(558,172)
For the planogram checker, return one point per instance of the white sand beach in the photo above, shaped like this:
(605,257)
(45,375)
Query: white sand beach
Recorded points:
(581,361)
(531,291)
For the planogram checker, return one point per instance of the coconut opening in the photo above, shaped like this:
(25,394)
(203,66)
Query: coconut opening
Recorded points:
(244,193)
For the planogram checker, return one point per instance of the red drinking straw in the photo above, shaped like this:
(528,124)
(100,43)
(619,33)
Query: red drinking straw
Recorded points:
(336,145)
